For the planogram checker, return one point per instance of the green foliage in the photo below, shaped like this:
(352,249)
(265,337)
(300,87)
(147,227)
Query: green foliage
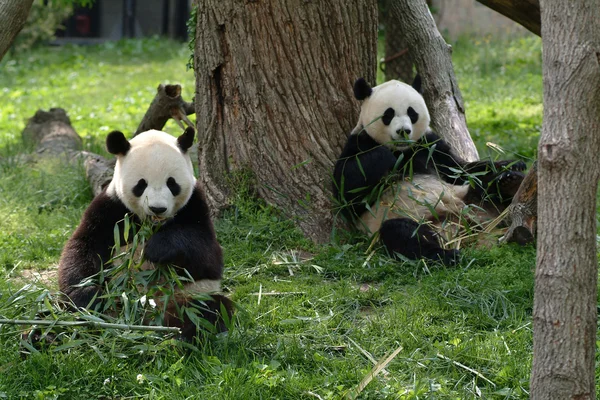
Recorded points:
(307,314)
(102,87)
(42,23)
(501,83)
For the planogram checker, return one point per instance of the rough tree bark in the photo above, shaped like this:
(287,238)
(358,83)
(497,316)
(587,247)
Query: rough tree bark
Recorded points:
(13,15)
(274,94)
(432,57)
(524,12)
(398,63)
(564,312)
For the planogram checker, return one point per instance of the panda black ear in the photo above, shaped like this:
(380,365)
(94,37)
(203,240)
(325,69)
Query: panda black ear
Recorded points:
(362,89)
(116,143)
(417,84)
(186,140)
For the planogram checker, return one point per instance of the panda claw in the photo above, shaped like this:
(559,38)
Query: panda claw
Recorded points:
(517,166)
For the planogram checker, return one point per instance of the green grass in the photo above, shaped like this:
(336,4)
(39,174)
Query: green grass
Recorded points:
(459,328)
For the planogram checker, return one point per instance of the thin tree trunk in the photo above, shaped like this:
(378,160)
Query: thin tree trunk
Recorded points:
(432,57)
(13,15)
(564,313)
(524,12)
(398,63)
(274,95)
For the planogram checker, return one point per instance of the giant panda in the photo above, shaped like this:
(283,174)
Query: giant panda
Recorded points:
(153,181)
(396,177)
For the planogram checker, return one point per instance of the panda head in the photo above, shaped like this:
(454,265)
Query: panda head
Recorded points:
(154,176)
(392,111)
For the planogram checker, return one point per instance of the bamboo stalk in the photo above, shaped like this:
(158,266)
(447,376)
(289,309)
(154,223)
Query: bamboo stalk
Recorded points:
(95,324)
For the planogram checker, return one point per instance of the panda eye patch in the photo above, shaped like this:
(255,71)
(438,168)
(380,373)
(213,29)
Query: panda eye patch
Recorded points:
(173,186)
(388,115)
(138,189)
(413,115)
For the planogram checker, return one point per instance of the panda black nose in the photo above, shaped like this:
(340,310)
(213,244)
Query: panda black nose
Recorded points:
(158,210)
(404,130)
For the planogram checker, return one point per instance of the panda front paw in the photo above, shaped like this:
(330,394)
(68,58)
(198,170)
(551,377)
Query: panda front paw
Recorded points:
(512,165)
(159,250)
(509,182)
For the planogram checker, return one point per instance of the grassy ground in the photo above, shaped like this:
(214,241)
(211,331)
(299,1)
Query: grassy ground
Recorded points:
(463,332)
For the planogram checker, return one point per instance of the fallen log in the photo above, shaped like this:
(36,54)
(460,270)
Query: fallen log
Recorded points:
(52,134)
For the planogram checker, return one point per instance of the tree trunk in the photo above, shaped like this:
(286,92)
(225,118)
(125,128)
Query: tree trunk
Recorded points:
(524,12)
(274,95)
(398,63)
(13,15)
(432,57)
(564,313)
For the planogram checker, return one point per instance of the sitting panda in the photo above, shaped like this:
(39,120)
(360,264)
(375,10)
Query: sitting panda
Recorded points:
(153,180)
(397,177)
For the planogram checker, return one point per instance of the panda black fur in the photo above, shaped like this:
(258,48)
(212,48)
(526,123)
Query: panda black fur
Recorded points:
(394,174)
(153,179)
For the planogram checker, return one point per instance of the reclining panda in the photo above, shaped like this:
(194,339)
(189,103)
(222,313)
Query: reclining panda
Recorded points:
(397,177)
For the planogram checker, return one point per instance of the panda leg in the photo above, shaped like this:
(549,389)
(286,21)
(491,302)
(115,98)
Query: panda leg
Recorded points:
(508,182)
(498,190)
(209,310)
(415,241)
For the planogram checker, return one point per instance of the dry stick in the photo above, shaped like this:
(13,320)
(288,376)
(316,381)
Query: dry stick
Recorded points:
(94,324)
(353,394)
(368,355)
(471,370)
(261,293)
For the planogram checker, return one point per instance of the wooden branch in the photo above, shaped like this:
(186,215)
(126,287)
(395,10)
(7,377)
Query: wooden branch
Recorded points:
(432,58)
(524,12)
(167,103)
(522,212)
(53,135)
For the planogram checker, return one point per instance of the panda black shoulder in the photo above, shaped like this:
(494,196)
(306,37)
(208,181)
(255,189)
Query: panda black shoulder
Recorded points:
(89,247)
(196,208)
(101,215)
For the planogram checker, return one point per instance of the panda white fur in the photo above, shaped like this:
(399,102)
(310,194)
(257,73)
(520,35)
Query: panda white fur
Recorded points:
(397,177)
(153,179)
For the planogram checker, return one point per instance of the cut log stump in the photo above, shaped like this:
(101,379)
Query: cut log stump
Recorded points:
(522,212)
